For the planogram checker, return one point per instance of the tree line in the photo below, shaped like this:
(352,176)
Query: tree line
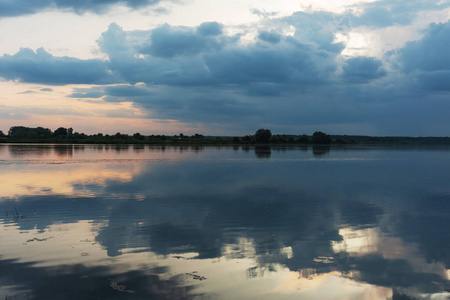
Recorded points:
(62,134)
(261,136)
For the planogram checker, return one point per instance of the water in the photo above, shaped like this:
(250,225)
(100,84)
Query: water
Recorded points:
(142,222)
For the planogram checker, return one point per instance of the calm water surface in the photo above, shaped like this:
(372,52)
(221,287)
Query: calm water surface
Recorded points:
(141,222)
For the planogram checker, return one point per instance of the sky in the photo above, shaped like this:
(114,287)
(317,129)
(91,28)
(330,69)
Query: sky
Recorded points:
(226,67)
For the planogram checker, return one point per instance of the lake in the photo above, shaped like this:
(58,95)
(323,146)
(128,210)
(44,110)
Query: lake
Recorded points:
(153,222)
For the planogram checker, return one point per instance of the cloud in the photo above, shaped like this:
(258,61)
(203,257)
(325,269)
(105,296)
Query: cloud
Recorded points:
(269,36)
(428,59)
(168,41)
(194,75)
(287,72)
(94,92)
(27,92)
(210,29)
(25,7)
(219,79)
(186,56)
(362,69)
(317,28)
(9,113)
(42,67)
(435,81)
(430,53)
(127,91)
(387,13)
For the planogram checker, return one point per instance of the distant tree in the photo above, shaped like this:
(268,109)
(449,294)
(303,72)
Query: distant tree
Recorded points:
(27,132)
(2,135)
(263,136)
(277,139)
(321,138)
(236,140)
(121,136)
(77,135)
(246,138)
(61,131)
(303,139)
(43,132)
(138,136)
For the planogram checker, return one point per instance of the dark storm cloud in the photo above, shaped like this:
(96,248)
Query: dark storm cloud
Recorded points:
(290,62)
(127,91)
(202,74)
(168,41)
(42,67)
(25,7)
(362,69)
(130,55)
(190,105)
(435,81)
(430,53)
(428,59)
(186,56)
(217,78)
(318,29)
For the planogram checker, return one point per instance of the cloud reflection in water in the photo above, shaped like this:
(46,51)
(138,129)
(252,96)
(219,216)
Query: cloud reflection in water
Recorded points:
(290,225)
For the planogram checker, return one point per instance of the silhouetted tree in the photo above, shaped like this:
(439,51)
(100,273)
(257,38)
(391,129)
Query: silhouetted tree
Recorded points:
(2,135)
(263,136)
(321,138)
(61,131)
(138,136)
(303,139)
(121,136)
(43,132)
(27,132)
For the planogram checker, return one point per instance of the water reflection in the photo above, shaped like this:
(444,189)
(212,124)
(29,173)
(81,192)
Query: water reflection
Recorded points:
(263,151)
(64,150)
(321,150)
(29,151)
(216,222)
